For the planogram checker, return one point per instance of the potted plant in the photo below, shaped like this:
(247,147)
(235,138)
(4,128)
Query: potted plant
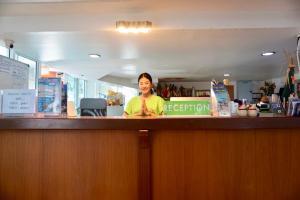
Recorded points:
(268,88)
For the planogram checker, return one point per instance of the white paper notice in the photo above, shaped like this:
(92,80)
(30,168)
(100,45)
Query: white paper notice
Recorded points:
(18,101)
(0,101)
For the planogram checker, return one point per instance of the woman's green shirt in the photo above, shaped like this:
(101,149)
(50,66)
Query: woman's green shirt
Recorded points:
(154,104)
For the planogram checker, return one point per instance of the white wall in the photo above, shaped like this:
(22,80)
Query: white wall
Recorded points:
(132,83)
(279,82)
(244,89)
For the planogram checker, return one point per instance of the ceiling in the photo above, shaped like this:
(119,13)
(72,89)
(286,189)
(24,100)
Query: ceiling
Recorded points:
(195,40)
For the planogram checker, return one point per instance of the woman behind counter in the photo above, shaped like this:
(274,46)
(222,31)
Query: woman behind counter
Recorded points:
(146,104)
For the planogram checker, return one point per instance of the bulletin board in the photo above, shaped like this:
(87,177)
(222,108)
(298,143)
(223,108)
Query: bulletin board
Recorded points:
(13,74)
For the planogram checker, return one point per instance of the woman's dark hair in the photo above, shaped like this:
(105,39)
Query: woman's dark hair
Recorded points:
(147,76)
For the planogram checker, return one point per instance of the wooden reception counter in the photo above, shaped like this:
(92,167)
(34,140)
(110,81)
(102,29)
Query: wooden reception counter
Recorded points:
(149,158)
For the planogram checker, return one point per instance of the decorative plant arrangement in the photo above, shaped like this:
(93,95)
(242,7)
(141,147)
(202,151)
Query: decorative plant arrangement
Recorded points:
(268,88)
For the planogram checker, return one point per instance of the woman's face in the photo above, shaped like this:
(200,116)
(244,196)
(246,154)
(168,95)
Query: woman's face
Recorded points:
(145,86)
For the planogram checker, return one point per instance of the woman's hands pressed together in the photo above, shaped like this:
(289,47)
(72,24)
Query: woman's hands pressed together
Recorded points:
(144,110)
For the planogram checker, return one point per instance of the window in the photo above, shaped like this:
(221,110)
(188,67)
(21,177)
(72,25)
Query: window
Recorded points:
(76,88)
(129,93)
(81,90)
(71,88)
(32,70)
(104,87)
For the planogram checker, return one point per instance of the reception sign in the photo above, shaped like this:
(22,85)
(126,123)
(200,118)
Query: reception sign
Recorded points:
(201,107)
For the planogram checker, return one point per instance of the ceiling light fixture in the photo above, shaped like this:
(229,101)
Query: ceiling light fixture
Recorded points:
(94,55)
(268,53)
(133,26)
(226,75)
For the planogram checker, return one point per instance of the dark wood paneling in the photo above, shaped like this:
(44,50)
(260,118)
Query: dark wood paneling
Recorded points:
(278,164)
(231,165)
(144,169)
(249,164)
(256,164)
(230,89)
(68,165)
(176,157)
(150,123)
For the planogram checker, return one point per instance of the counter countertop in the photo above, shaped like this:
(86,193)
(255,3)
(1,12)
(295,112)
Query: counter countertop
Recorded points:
(149,123)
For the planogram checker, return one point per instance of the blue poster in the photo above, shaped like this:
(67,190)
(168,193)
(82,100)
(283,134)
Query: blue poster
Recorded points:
(49,95)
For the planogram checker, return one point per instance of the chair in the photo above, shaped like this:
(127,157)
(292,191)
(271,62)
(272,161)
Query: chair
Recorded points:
(93,107)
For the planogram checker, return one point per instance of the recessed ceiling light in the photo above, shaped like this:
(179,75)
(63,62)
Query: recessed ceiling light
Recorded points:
(133,26)
(226,75)
(129,67)
(94,55)
(268,53)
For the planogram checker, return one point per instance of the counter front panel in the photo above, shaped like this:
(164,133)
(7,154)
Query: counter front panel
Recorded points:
(149,158)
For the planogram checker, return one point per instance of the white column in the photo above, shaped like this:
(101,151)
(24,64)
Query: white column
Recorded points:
(91,91)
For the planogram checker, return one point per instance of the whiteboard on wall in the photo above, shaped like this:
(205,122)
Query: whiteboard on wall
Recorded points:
(13,74)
